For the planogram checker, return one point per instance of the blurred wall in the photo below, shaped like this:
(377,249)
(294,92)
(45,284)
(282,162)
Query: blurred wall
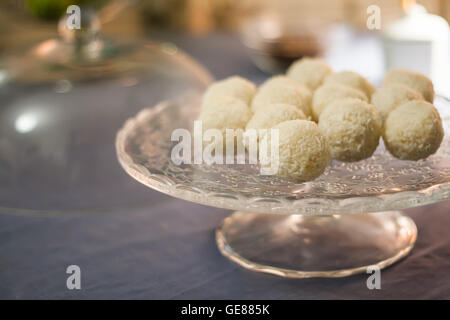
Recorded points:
(18,27)
(353,11)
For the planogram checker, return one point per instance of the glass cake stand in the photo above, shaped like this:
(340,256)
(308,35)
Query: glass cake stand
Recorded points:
(334,226)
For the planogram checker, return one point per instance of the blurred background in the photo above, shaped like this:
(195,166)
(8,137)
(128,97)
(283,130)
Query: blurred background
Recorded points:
(274,32)
(196,16)
(284,21)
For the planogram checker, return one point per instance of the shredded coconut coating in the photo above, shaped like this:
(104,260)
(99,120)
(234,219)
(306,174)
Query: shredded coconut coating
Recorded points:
(307,97)
(329,93)
(414,80)
(352,128)
(225,113)
(391,96)
(351,79)
(273,114)
(303,150)
(281,89)
(234,86)
(309,71)
(413,131)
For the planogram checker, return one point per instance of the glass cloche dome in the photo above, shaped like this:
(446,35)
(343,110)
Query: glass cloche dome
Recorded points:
(62,102)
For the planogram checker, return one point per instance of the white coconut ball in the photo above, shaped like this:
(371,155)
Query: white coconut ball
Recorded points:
(307,96)
(352,128)
(351,79)
(309,71)
(329,93)
(273,114)
(234,86)
(268,117)
(413,131)
(281,89)
(225,113)
(414,80)
(303,152)
(391,96)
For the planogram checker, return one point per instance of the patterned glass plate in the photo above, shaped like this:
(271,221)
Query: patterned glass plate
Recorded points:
(380,183)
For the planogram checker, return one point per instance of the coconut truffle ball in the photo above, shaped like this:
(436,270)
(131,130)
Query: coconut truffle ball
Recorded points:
(309,71)
(352,128)
(413,130)
(303,151)
(235,86)
(273,114)
(414,80)
(268,117)
(329,93)
(282,89)
(351,79)
(225,113)
(391,96)
(307,96)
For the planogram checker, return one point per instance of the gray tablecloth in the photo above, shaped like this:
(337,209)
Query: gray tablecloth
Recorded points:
(168,250)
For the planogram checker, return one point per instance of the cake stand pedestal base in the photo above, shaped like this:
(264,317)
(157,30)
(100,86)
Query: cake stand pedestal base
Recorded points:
(316,246)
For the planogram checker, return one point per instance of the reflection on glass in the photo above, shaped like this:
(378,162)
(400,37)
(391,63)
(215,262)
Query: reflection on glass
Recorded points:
(26,122)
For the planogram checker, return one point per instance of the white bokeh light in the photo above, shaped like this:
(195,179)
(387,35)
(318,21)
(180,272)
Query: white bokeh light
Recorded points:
(26,122)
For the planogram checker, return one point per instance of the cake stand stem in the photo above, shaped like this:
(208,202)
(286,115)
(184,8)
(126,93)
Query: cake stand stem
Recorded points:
(316,246)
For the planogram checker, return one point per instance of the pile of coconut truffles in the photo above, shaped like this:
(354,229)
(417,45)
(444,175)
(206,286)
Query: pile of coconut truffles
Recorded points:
(322,115)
